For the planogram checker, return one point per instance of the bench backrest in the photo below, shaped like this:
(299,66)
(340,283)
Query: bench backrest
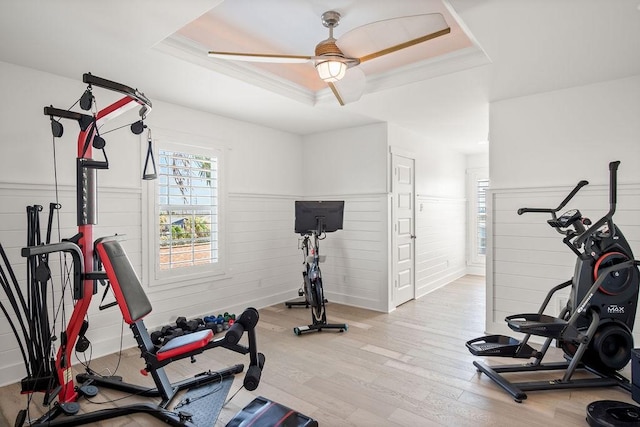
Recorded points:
(126,286)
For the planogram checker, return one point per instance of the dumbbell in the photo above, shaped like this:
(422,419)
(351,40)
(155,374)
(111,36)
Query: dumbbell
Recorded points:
(157,337)
(209,325)
(188,325)
(176,332)
(218,321)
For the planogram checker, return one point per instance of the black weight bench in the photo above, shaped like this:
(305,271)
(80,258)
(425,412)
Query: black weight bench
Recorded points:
(134,305)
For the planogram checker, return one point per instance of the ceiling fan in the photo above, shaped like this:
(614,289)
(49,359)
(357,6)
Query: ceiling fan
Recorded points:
(336,61)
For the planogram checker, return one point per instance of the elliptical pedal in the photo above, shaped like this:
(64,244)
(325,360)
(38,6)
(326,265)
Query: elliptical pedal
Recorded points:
(500,345)
(537,324)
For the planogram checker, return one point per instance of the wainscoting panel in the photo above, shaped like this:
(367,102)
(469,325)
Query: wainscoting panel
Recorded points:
(440,242)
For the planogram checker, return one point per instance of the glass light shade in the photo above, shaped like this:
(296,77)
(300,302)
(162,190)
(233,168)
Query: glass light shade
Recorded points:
(331,71)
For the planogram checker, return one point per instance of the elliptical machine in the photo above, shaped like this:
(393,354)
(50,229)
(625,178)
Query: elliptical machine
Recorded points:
(594,329)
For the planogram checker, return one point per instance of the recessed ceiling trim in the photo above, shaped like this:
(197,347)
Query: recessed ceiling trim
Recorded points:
(452,62)
(188,50)
(459,60)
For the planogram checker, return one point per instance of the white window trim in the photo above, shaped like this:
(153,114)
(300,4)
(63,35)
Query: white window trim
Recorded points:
(153,277)
(474,259)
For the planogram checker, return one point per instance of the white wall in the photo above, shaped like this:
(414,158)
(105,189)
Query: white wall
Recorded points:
(478,161)
(263,172)
(564,136)
(440,209)
(346,161)
(541,146)
(351,165)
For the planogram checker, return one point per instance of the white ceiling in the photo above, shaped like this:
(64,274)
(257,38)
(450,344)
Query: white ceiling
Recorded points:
(520,47)
(293,27)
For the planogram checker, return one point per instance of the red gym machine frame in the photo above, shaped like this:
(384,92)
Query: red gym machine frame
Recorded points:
(86,274)
(86,201)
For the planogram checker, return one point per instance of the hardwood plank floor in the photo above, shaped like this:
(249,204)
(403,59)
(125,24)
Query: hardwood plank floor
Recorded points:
(406,368)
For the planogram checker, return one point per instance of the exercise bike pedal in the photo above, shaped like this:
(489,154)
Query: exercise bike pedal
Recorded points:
(500,346)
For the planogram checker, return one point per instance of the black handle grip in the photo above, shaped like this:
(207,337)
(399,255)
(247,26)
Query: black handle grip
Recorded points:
(613,166)
(542,210)
(560,206)
(613,182)
(608,218)
(94,164)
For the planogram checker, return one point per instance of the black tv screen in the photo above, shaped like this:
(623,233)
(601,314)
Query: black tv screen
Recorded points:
(319,216)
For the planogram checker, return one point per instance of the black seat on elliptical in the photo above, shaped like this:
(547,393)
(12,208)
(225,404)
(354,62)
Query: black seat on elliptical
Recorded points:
(133,301)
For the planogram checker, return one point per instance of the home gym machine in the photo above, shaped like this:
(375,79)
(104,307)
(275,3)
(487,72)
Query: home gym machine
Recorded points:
(594,328)
(313,220)
(104,261)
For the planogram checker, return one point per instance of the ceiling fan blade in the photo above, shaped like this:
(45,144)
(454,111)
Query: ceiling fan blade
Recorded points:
(351,87)
(260,57)
(404,45)
(391,35)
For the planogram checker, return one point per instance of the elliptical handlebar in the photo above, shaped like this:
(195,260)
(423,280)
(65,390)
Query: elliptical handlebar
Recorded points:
(560,206)
(608,217)
(613,184)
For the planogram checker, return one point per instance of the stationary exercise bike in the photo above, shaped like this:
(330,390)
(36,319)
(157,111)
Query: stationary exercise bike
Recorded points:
(594,329)
(313,221)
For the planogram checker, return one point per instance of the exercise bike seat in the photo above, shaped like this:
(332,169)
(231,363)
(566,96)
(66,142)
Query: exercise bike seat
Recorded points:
(184,344)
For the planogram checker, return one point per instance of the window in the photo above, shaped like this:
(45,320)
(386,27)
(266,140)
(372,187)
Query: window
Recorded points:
(477,204)
(186,212)
(481,216)
(188,202)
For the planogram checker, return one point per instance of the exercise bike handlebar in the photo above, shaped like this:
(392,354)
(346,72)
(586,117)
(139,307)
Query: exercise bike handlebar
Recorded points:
(560,206)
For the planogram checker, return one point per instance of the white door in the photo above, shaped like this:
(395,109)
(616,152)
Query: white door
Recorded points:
(403,233)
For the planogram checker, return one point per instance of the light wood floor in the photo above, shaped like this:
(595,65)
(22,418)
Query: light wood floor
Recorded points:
(406,368)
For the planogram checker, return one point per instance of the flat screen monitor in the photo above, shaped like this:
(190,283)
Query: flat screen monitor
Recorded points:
(319,216)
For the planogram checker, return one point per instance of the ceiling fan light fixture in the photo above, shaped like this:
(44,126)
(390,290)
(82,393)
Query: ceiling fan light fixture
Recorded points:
(331,71)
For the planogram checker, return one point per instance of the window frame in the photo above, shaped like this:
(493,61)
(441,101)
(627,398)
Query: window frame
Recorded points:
(478,214)
(157,277)
(474,258)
